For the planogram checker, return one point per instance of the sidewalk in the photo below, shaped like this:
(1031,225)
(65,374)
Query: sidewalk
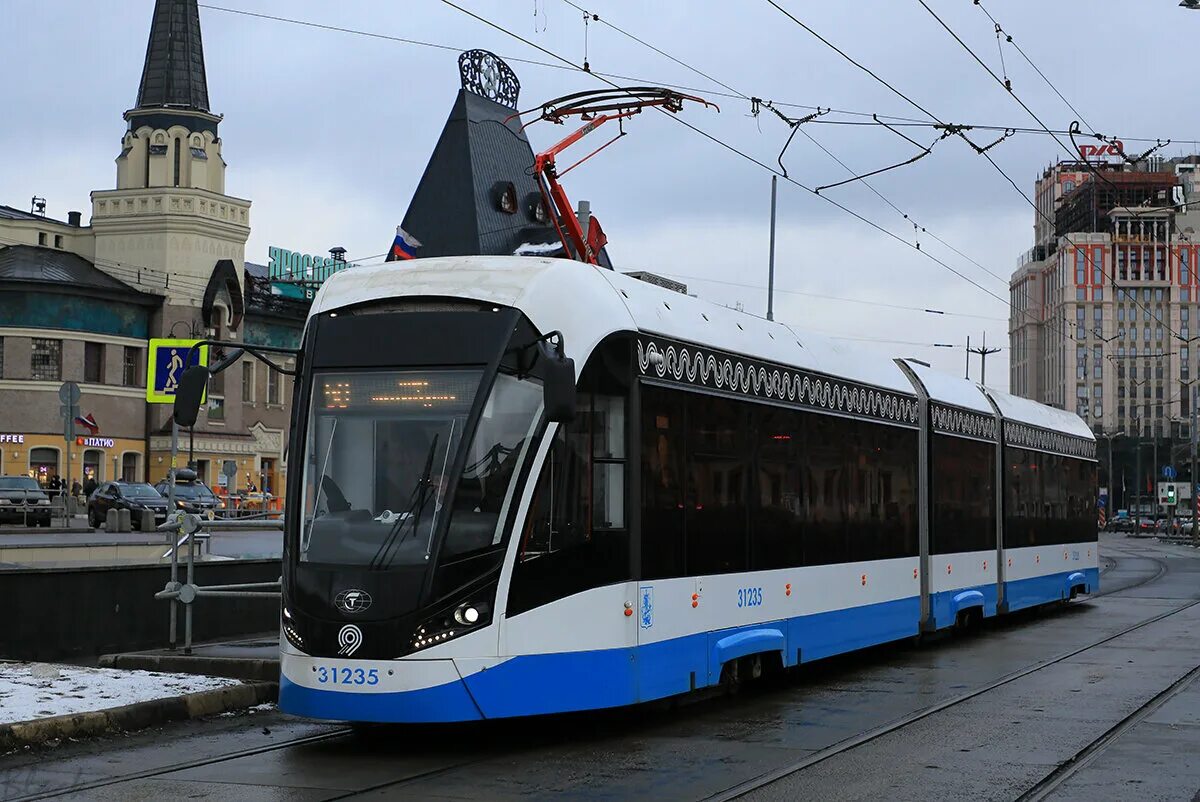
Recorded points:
(254,658)
(77,524)
(45,701)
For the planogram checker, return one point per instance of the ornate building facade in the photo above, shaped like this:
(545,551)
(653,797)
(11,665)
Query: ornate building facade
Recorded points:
(163,255)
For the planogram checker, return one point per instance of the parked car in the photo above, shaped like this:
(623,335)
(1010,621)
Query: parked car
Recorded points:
(22,500)
(132,496)
(192,495)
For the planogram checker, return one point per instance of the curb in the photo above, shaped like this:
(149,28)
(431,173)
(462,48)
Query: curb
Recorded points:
(251,669)
(138,715)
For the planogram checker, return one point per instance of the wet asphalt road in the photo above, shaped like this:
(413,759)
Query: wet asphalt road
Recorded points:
(998,744)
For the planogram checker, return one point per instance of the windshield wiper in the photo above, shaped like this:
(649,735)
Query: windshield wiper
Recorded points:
(417,500)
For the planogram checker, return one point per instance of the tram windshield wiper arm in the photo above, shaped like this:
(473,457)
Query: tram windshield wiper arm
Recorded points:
(391,545)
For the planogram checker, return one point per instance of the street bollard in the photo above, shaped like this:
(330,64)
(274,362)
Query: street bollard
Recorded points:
(111,521)
(123,521)
(146,520)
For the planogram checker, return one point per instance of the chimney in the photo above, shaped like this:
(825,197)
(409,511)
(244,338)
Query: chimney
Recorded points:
(74,218)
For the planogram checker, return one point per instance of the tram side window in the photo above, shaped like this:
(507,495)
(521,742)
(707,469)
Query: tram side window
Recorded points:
(881,503)
(1049,499)
(777,520)
(715,515)
(575,536)
(963,494)
(825,490)
(662,440)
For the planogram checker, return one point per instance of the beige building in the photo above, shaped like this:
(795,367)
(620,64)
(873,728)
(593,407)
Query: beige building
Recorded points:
(162,256)
(1105,304)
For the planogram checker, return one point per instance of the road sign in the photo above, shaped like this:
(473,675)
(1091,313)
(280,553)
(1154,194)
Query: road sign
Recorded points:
(229,467)
(166,362)
(68,392)
(1169,472)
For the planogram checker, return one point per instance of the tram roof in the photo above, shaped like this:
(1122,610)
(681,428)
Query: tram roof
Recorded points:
(588,303)
(950,389)
(1024,410)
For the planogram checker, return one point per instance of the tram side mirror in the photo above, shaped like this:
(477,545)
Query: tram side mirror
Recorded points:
(558,384)
(189,394)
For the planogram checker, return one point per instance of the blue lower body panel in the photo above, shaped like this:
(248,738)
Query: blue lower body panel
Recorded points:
(446,702)
(554,683)
(945,605)
(1023,593)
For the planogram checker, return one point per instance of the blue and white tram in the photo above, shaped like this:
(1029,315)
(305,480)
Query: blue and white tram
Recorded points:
(726,490)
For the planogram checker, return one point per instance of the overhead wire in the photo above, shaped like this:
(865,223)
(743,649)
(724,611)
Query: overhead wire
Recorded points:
(830,297)
(732,149)
(1029,61)
(897,120)
(1097,174)
(1088,258)
(744,96)
(912,103)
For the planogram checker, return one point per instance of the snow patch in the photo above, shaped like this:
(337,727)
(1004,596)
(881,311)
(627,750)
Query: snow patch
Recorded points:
(31,691)
(535,248)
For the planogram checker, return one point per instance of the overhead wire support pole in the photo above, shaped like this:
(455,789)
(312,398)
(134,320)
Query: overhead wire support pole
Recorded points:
(984,352)
(771,260)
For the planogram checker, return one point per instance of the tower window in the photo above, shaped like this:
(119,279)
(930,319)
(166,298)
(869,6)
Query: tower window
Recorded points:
(178,151)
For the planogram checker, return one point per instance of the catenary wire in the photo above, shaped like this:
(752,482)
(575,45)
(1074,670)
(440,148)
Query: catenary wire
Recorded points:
(899,120)
(1029,61)
(1098,175)
(1086,251)
(831,297)
(827,152)
(748,157)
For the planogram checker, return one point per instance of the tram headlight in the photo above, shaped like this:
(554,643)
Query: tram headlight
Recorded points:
(470,614)
(460,620)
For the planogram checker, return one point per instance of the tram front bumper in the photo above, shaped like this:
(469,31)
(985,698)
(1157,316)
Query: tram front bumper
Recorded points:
(398,691)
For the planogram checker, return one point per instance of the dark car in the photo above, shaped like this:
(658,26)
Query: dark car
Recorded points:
(192,495)
(132,496)
(22,500)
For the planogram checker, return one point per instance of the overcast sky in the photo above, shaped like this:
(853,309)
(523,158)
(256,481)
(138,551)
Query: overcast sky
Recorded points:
(328,133)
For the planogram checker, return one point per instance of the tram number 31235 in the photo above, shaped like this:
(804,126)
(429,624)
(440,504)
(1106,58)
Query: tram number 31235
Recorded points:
(749,597)
(349,676)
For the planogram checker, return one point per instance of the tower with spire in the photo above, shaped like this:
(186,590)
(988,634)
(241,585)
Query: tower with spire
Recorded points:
(169,207)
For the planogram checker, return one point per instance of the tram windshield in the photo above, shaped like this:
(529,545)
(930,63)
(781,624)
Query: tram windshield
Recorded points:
(380,451)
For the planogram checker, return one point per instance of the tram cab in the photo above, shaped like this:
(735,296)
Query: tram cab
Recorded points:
(525,486)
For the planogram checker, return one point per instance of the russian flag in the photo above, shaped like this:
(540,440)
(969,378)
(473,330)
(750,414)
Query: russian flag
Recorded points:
(88,422)
(404,246)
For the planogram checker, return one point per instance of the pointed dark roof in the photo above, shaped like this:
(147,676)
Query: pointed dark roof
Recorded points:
(174,71)
(481,153)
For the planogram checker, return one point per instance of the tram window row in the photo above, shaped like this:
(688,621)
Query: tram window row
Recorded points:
(1049,499)
(731,486)
(963,494)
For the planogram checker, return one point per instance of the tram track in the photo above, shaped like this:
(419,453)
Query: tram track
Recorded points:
(1085,756)
(1073,765)
(184,765)
(1054,779)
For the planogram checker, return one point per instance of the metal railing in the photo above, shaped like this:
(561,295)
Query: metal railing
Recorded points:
(184,531)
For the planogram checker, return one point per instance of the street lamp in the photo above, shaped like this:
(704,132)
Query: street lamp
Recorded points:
(1110,436)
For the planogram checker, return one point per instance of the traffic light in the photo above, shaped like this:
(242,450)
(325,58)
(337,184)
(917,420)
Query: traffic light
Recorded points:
(1171,500)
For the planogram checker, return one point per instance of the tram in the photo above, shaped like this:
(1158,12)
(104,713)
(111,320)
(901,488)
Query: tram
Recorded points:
(527,485)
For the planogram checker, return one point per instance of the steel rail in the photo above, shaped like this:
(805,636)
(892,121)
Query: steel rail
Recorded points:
(1070,767)
(872,734)
(183,765)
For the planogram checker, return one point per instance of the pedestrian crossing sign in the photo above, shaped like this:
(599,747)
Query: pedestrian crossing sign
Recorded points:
(165,364)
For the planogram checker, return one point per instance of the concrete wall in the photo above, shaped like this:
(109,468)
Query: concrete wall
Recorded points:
(57,613)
